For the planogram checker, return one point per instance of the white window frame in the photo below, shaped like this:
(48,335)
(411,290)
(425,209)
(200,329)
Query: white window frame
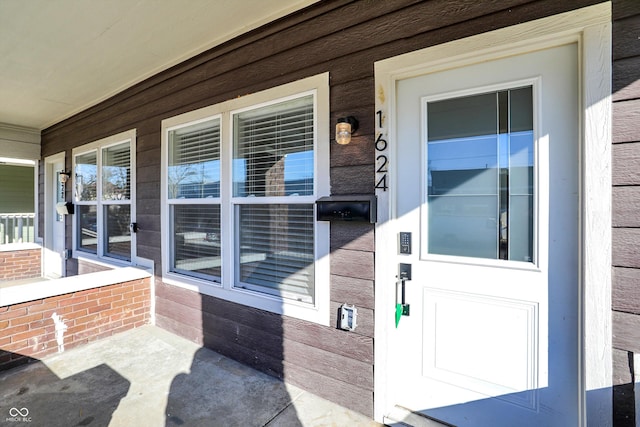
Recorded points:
(319,311)
(100,256)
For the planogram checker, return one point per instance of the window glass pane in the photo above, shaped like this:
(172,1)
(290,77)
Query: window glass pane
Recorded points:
(86,177)
(480,175)
(87,228)
(194,161)
(116,231)
(276,250)
(196,240)
(116,172)
(273,150)
(463,225)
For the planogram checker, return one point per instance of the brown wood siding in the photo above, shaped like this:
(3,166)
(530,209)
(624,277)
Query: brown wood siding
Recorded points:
(626,205)
(344,38)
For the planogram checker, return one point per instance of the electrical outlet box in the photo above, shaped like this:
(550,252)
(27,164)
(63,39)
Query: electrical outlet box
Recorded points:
(348,317)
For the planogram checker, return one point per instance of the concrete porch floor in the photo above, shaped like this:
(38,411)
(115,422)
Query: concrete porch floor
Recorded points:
(150,377)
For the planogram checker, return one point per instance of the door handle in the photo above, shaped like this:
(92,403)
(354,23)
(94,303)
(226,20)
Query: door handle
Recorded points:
(402,308)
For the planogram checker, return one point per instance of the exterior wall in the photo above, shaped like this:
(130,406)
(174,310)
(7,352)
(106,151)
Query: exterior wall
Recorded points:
(20,264)
(28,330)
(16,189)
(344,38)
(626,205)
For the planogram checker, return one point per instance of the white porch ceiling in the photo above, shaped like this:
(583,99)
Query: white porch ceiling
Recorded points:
(58,57)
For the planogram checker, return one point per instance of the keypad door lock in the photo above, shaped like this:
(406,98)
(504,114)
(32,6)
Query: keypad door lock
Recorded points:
(405,243)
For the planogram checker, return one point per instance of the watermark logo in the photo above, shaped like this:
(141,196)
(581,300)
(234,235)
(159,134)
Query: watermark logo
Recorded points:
(18,415)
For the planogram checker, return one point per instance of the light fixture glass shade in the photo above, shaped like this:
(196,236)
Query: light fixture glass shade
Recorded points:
(343,133)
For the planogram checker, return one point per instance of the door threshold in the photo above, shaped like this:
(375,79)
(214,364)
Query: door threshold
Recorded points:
(399,417)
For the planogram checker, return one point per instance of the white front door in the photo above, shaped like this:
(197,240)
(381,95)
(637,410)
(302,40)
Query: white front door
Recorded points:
(487,186)
(54,238)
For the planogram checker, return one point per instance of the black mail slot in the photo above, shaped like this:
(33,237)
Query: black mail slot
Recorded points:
(347,208)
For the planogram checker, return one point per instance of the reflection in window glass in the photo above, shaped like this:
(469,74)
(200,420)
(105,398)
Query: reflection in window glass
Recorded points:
(194,161)
(117,233)
(86,177)
(116,172)
(273,150)
(196,241)
(480,175)
(276,250)
(87,228)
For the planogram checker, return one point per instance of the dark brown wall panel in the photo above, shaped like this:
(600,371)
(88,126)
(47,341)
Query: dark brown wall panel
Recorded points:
(626,164)
(626,247)
(626,116)
(626,290)
(626,206)
(626,331)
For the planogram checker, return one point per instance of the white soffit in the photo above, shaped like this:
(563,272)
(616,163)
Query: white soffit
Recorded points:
(58,57)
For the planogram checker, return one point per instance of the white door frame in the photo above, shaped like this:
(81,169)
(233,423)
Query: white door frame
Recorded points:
(591,28)
(49,202)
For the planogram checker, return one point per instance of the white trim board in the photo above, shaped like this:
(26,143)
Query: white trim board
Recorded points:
(591,28)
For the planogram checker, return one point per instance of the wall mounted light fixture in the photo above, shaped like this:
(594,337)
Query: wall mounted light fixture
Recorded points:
(64,176)
(344,128)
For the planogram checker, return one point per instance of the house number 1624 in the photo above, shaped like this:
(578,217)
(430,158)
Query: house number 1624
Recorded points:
(382,161)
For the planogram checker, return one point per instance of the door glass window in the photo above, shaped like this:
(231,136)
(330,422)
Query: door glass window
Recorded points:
(480,175)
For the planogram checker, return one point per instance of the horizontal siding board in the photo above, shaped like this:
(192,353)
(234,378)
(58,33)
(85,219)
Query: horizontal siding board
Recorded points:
(327,338)
(626,331)
(349,290)
(626,206)
(624,9)
(357,236)
(178,295)
(349,263)
(625,35)
(626,164)
(352,179)
(626,82)
(626,290)
(626,116)
(626,247)
(347,395)
(333,365)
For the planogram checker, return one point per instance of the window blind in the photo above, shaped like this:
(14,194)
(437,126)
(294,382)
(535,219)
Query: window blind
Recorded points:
(196,240)
(276,249)
(116,172)
(194,161)
(273,150)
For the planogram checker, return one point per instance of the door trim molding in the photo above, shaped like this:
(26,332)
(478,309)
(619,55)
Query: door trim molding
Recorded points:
(590,27)
(49,201)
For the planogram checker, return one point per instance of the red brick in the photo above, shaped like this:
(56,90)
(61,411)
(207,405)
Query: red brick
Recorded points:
(28,334)
(12,330)
(72,300)
(85,305)
(36,308)
(26,319)
(16,347)
(110,300)
(98,308)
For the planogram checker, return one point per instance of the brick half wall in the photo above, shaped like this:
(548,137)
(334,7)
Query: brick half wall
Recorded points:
(29,331)
(20,264)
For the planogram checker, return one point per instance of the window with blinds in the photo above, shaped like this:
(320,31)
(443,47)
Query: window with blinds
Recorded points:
(273,157)
(276,251)
(273,150)
(194,161)
(116,172)
(193,189)
(104,193)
